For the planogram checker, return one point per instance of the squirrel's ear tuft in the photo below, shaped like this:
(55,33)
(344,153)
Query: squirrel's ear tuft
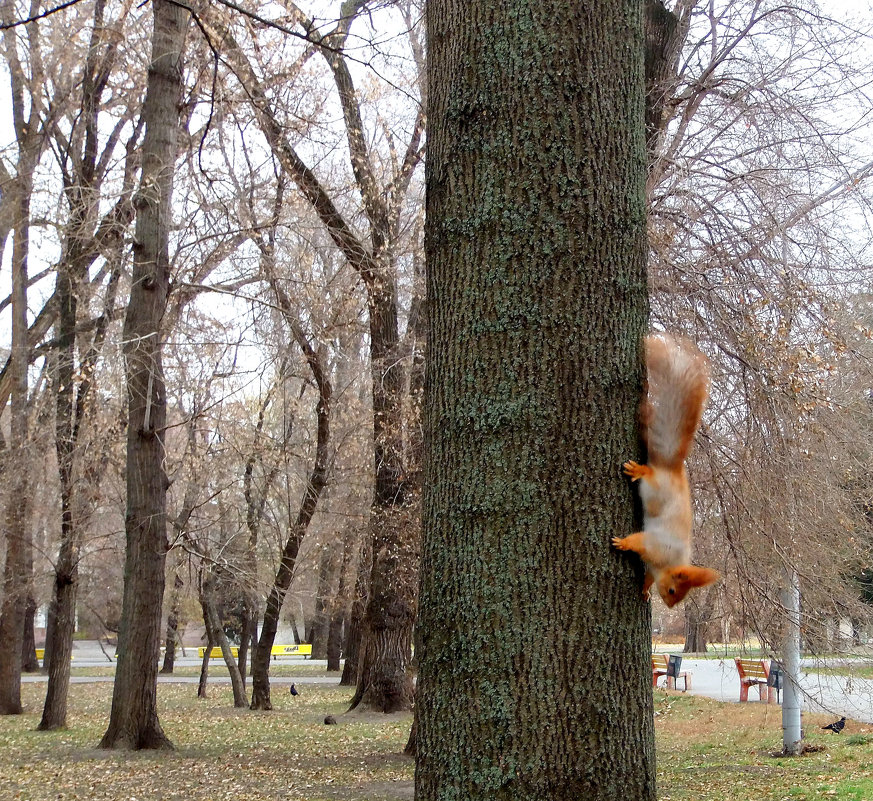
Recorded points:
(693,576)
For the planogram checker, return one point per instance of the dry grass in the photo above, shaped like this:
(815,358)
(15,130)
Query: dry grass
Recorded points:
(707,751)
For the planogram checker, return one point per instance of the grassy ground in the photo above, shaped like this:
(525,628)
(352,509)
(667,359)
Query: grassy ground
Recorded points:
(707,751)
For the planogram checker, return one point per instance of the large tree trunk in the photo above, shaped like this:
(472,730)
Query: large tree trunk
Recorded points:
(534,639)
(133,721)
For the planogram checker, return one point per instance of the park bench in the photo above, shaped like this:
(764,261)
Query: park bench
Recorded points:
(754,673)
(215,653)
(668,665)
(40,655)
(303,649)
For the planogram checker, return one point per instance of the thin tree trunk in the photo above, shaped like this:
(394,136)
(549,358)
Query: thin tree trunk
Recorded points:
(338,632)
(15,584)
(321,618)
(29,662)
(311,496)
(204,663)
(354,635)
(172,636)
(217,635)
(533,637)
(698,612)
(133,721)
(49,636)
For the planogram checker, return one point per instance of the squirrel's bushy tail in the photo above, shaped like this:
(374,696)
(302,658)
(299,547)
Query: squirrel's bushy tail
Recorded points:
(678,385)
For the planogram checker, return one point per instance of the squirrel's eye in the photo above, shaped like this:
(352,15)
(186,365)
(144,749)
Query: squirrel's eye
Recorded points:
(672,591)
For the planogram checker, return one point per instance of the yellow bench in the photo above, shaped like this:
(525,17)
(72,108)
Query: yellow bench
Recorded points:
(303,649)
(40,654)
(215,653)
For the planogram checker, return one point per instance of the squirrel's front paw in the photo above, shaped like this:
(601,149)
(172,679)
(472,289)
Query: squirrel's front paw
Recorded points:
(636,471)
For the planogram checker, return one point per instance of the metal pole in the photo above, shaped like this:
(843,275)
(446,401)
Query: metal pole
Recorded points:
(791,703)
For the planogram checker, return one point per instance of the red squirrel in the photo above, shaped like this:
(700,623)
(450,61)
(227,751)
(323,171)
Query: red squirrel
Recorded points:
(678,385)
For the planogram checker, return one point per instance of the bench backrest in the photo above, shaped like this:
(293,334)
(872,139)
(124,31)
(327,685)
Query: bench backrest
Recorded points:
(659,661)
(752,668)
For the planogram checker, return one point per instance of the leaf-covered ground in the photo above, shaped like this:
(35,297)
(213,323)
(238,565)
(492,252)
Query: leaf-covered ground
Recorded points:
(707,751)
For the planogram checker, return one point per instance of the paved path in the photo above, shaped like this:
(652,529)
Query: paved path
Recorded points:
(839,695)
(713,678)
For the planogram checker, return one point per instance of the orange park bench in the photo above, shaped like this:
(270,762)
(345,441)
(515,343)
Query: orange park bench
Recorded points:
(669,665)
(754,673)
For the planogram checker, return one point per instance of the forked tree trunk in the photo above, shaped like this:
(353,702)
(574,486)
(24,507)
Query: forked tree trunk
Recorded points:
(133,721)
(311,495)
(62,625)
(216,635)
(533,637)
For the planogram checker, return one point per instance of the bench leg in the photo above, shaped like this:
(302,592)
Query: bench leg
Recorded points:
(744,691)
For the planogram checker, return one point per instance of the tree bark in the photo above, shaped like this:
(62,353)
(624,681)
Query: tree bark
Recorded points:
(354,636)
(29,662)
(327,567)
(533,638)
(698,612)
(133,721)
(172,635)
(204,663)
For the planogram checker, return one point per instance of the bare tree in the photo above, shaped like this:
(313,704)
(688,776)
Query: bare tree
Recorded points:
(29,112)
(133,720)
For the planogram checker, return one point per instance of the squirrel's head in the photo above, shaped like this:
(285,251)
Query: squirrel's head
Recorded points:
(674,584)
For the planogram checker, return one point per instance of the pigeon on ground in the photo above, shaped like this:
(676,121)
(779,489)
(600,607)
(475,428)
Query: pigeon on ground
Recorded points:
(330,720)
(293,690)
(836,726)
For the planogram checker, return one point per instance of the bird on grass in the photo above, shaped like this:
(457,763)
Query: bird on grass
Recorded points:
(293,690)
(837,726)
